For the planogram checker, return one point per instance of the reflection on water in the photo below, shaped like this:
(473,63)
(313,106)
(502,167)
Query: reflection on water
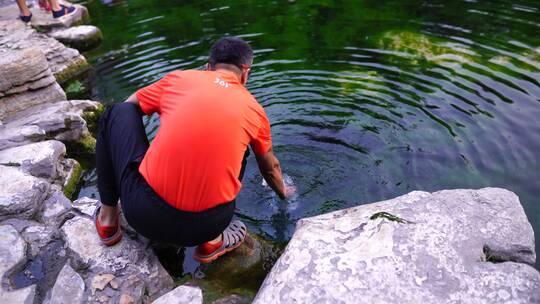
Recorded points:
(368,99)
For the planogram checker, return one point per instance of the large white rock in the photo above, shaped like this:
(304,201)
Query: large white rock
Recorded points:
(69,287)
(181,295)
(417,248)
(40,159)
(21,195)
(132,261)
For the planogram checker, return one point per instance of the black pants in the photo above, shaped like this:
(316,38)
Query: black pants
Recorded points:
(121,146)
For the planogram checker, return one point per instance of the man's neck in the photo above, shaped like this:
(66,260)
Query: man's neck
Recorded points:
(229,68)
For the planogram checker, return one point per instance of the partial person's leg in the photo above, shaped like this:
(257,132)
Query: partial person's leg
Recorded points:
(23,8)
(121,141)
(59,10)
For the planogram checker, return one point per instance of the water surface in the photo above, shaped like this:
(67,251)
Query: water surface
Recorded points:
(368,100)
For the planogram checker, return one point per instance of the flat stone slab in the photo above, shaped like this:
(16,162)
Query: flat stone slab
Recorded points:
(456,246)
(21,195)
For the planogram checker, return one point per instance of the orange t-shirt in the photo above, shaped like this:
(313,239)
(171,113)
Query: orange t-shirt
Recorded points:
(207,121)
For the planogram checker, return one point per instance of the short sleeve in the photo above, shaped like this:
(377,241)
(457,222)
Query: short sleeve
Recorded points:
(263,142)
(149,97)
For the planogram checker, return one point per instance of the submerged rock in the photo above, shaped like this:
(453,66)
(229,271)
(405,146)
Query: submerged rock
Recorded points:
(417,46)
(69,287)
(181,295)
(21,195)
(457,246)
(81,37)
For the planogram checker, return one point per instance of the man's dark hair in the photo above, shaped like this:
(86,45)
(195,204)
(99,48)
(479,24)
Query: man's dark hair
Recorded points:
(231,50)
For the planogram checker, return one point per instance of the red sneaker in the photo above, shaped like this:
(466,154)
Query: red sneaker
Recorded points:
(109,235)
(233,236)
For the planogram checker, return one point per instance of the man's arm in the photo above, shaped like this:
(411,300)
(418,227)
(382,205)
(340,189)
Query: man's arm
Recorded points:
(271,171)
(133,99)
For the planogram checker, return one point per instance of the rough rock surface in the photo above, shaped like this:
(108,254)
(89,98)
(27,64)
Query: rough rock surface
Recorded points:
(133,263)
(26,80)
(69,287)
(181,295)
(81,37)
(12,254)
(41,159)
(21,195)
(60,120)
(418,248)
(54,207)
(64,62)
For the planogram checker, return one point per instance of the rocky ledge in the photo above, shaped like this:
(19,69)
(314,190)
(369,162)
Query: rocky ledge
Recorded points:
(455,246)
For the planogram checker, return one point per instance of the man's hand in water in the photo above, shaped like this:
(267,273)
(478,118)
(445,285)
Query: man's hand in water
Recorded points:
(290,191)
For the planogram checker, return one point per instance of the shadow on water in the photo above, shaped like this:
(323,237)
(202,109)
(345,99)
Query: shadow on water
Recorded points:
(367,99)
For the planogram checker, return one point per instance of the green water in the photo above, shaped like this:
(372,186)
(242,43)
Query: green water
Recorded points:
(368,100)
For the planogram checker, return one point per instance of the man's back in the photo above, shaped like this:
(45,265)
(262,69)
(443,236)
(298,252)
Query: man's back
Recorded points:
(207,121)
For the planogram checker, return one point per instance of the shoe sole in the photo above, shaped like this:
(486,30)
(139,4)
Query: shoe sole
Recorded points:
(214,257)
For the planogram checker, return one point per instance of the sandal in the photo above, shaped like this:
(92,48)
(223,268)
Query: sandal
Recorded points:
(109,235)
(64,10)
(26,19)
(233,236)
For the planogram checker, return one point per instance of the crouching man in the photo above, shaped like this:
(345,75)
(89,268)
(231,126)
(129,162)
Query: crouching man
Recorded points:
(181,188)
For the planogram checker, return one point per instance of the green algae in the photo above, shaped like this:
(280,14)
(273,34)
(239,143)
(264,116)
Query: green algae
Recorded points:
(420,47)
(72,181)
(390,217)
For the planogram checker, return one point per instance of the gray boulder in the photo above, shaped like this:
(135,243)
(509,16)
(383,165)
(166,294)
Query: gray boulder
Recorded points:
(21,195)
(132,262)
(181,295)
(69,287)
(40,159)
(457,246)
(81,37)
